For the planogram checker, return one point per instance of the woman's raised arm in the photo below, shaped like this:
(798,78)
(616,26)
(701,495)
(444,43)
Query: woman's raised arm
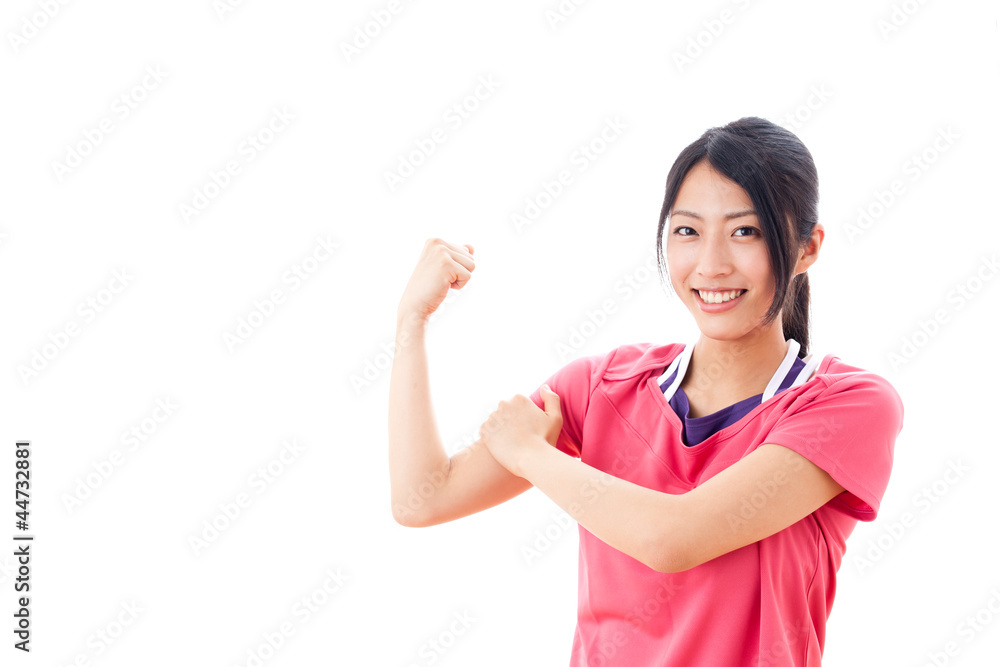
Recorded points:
(428,487)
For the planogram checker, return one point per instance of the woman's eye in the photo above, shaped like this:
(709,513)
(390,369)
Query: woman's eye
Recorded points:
(751,230)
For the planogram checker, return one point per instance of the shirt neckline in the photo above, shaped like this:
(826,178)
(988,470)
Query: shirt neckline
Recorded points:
(681,361)
(815,363)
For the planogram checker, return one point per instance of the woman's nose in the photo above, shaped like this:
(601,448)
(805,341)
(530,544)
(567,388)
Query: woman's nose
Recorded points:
(714,257)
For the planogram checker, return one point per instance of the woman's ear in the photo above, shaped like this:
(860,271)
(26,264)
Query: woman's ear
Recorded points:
(810,253)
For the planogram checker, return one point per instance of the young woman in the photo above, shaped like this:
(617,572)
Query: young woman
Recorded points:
(715,482)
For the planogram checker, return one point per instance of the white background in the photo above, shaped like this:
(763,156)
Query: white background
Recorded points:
(301,374)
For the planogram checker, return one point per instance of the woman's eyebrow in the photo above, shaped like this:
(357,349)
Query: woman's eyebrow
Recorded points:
(727,216)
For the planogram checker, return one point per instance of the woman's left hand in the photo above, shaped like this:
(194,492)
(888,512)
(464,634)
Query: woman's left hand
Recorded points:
(517,427)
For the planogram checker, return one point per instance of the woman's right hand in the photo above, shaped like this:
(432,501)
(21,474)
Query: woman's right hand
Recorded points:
(441,266)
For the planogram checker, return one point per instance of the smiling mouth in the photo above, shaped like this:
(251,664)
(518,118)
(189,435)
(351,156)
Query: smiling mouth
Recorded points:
(719,297)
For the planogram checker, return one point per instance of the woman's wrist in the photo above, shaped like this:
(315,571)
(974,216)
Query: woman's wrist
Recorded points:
(533,458)
(410,323)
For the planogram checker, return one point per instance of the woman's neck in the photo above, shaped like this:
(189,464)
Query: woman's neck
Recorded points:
(723,372)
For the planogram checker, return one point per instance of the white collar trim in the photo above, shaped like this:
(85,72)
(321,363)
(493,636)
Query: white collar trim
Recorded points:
(680,364)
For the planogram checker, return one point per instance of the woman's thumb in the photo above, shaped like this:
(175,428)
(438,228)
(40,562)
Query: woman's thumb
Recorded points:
(551,400)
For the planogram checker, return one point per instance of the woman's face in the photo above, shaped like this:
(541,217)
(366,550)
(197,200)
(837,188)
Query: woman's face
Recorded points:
(715,243)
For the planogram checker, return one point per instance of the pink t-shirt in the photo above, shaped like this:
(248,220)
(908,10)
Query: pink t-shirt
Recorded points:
(765,604)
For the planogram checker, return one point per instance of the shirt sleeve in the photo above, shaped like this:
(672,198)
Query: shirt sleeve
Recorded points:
(849,430)
(574,383)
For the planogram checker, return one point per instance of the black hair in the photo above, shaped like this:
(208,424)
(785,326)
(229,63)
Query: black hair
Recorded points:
(778,174)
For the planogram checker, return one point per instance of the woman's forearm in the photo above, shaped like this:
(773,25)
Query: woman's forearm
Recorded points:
(624,515)
(417,459)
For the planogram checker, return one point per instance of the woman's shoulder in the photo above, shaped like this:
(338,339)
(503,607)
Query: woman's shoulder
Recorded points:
(838,375)
(632,359)
(832,366)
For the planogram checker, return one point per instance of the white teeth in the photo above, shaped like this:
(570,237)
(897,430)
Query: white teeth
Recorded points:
(719,297)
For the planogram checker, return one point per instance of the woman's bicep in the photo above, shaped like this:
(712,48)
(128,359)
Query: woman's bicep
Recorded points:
(475,482)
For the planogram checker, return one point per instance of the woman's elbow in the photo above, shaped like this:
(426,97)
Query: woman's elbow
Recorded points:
(407,516)
(669,556)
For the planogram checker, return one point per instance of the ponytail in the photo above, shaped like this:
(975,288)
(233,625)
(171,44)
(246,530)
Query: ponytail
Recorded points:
(795,314)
